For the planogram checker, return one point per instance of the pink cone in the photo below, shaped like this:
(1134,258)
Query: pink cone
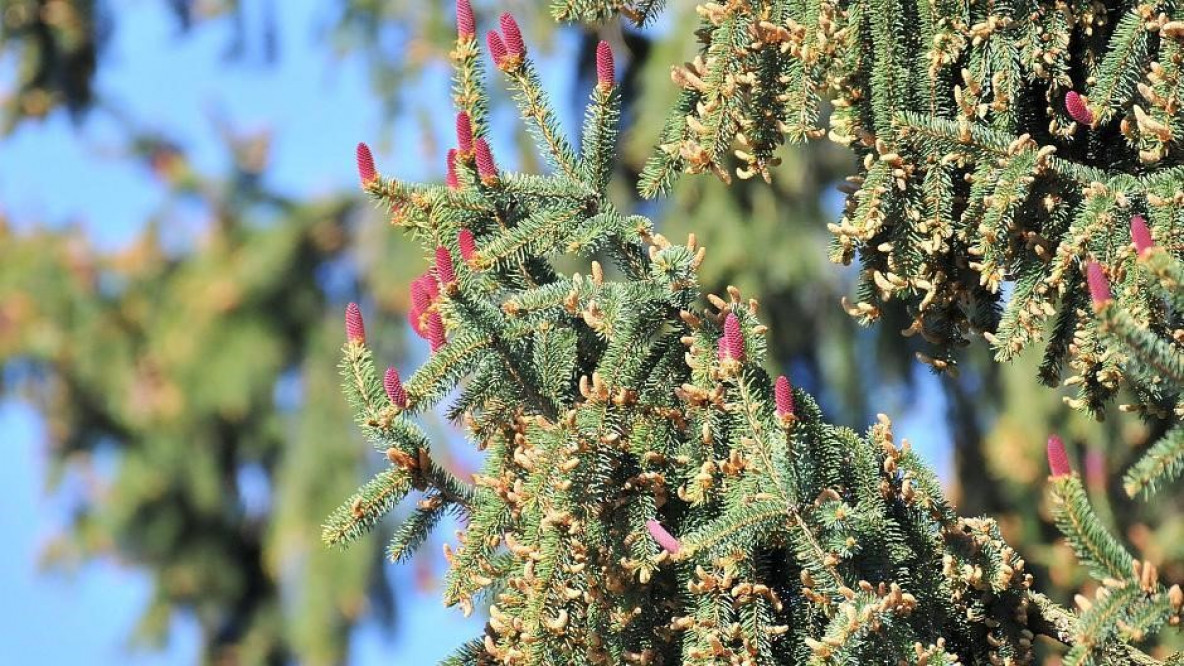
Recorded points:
(445,272)
(605,70)
(366,171)
(733,339)
(355,329)
(464,132)
(451,179)
(1141,235)
(783,396)
(423,292)
(515,46)
(466,25)
(665,539)
(497,48)
(394,388)
(1099,286)
(486,167)
(435,331)
(721,348)
(1058,460)
(468,245)
(1077,109)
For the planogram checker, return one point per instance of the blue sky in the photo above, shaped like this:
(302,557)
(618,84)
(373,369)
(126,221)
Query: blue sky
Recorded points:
(317,107)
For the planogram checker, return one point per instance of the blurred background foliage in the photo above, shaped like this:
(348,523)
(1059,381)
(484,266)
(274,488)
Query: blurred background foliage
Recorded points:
(209,369)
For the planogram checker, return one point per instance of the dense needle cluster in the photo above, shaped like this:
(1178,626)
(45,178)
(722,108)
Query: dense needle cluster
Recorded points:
(999,144)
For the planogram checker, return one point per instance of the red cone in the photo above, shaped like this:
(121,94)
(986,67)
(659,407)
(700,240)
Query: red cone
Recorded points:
(435,331)
(445,272)
(1141,235)
(394,388)
(464,132)
(468,245)
(515,46)
(451,179)
(783,396)
(366,171)
(355,328)
(1099,286)
(1075,105)
(466,25)
(486,167)
(497,48)
(1058,460)
(733,339)
(665,539)
(605,70)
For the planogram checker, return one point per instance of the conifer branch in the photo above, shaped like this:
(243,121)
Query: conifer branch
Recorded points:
(1094,545)
(1162,463)
(649,494)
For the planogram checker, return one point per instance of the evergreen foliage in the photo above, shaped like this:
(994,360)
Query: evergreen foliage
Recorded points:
(973,170)
(650,494)
(322,592)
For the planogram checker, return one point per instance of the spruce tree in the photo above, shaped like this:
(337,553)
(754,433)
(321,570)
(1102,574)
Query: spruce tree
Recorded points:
(650,494)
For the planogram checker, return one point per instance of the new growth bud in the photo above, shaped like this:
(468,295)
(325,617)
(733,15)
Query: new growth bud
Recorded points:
(466,25)
(355,329)
(1099,286)
(1075,104)
(1141,235)
(468,245)
(783,396)
(394,388)
(733,339)
(423,292)
(1058,460)
(486,167)
(665,539)
(435,331)
(464,133)
(451,179)
(605,68)
(497,48)
(366,171)
(444,270)
(515,46)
